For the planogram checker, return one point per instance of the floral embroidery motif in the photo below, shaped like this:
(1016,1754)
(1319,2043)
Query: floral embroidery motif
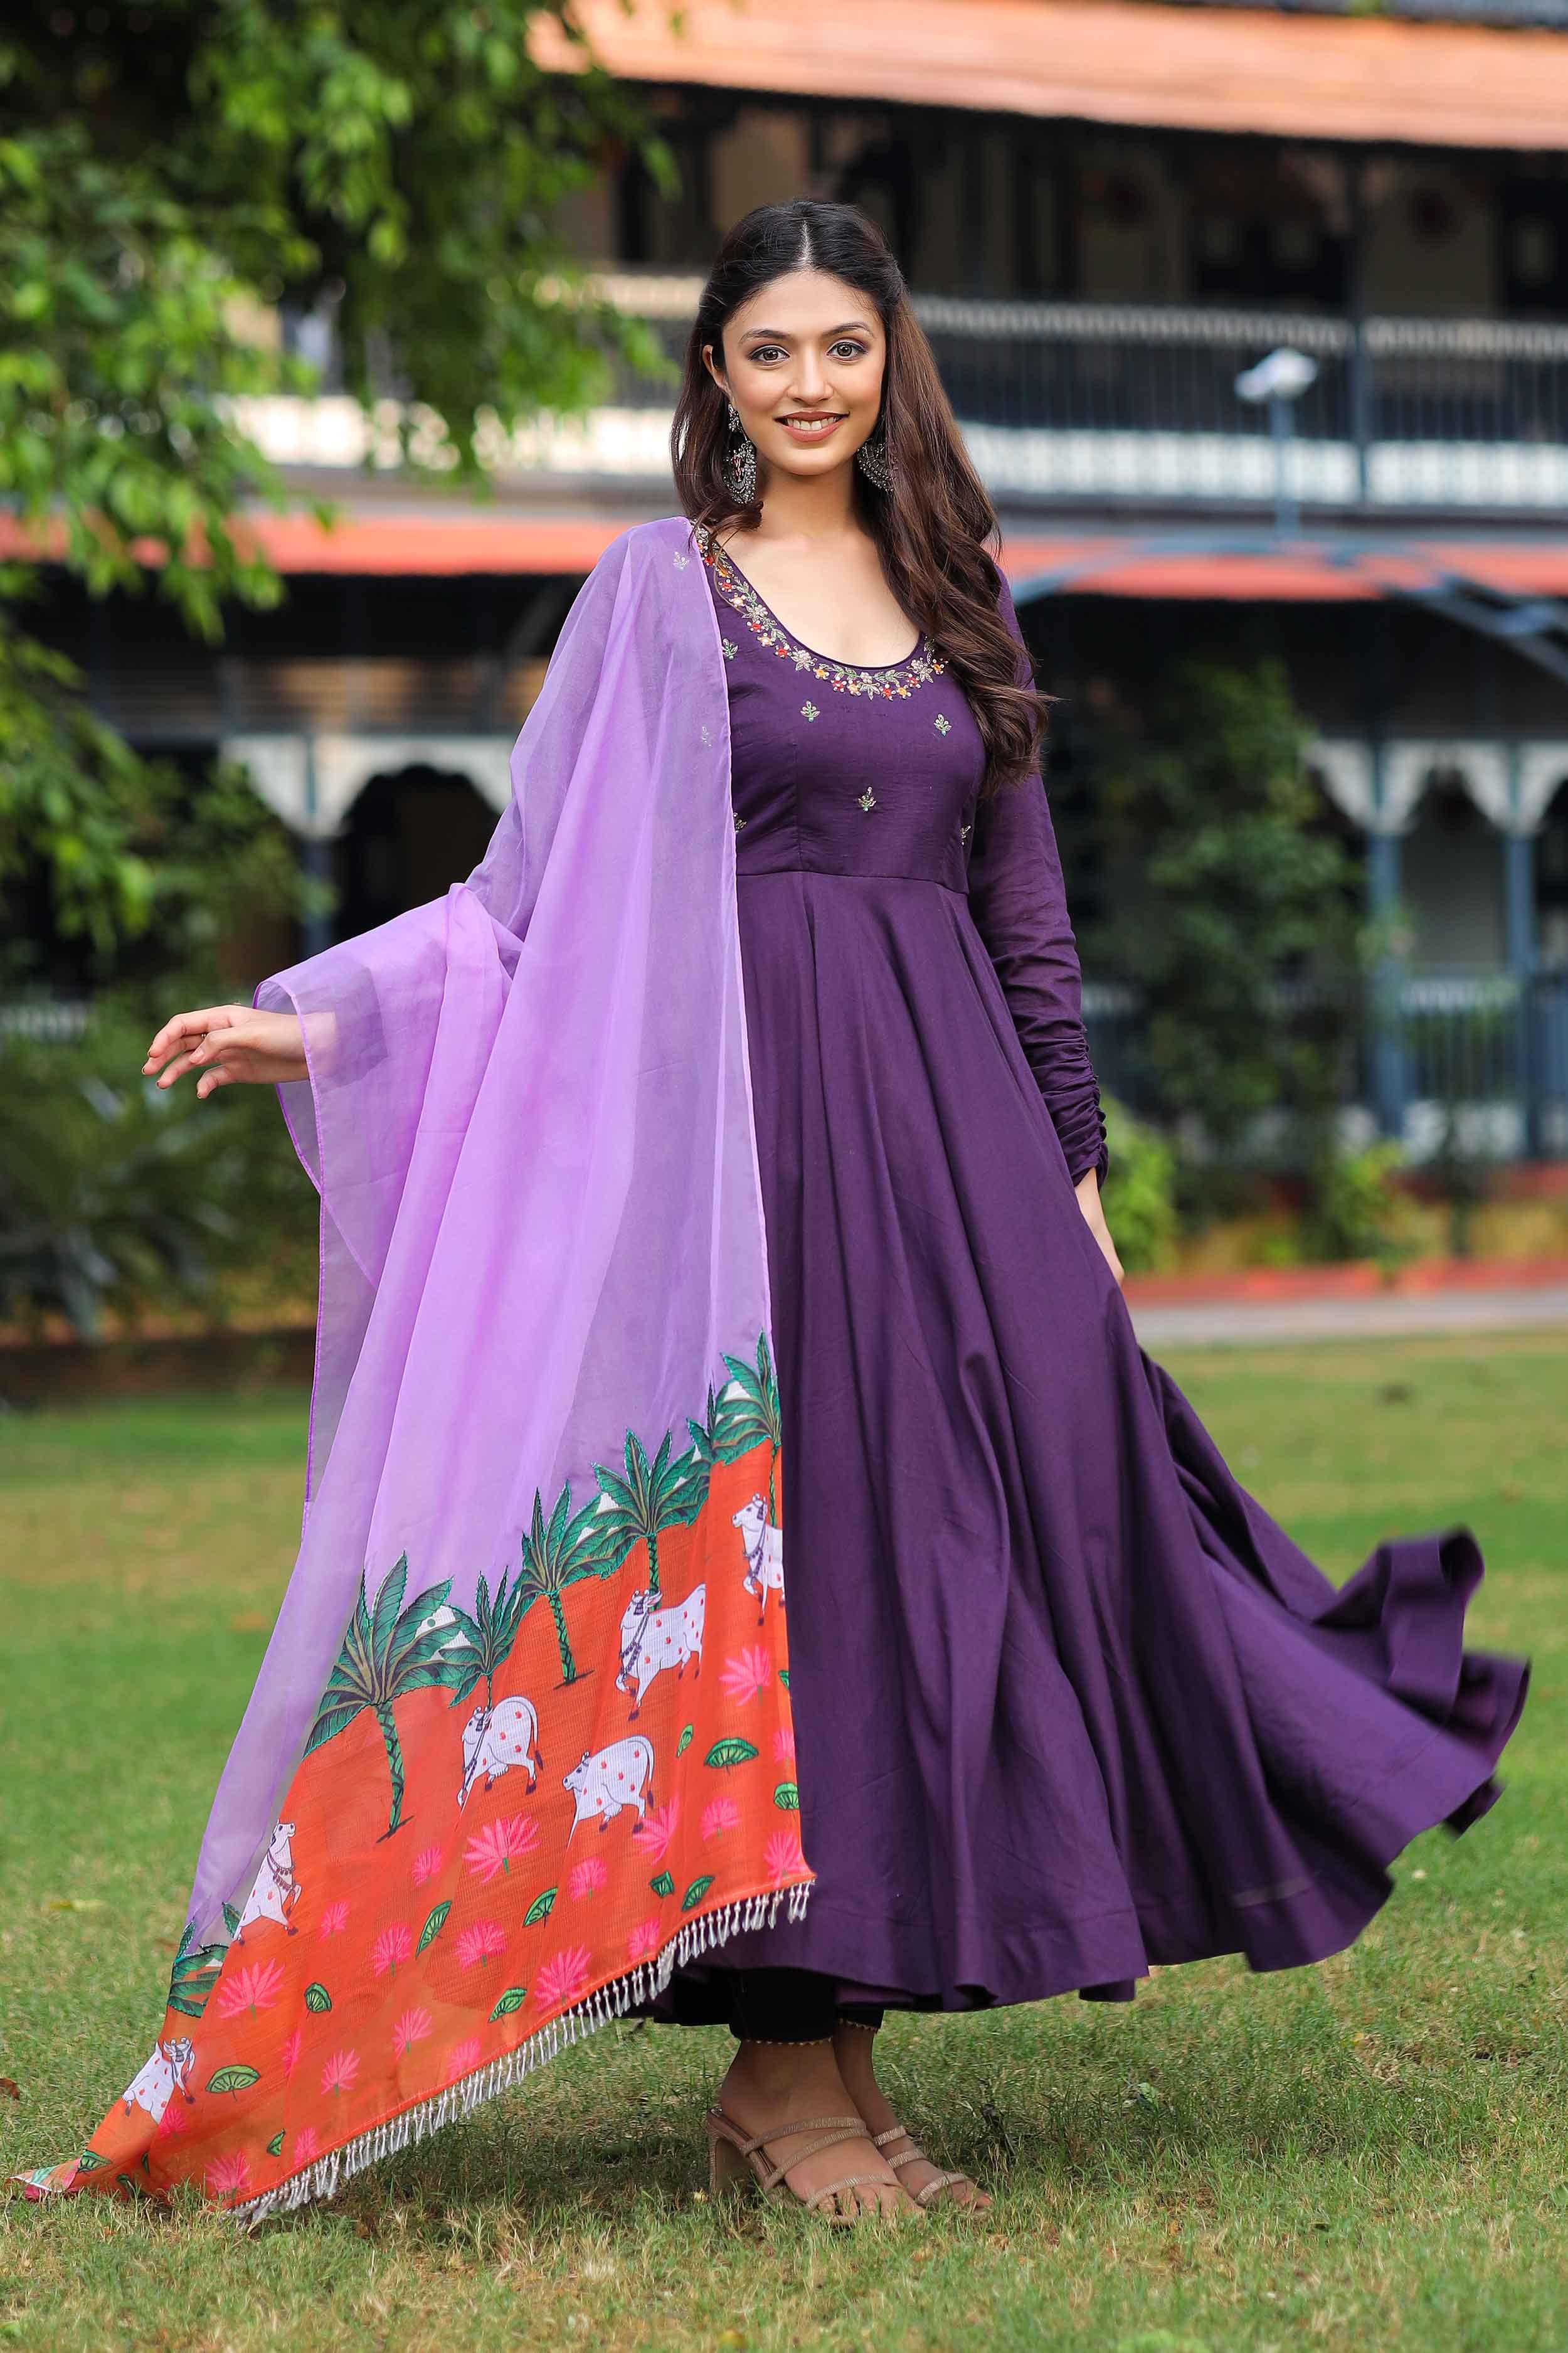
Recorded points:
(729,647)
(867,800)
(943,723)
(741,821)
(964,831)
(707,734)
(680,562)
(895,683)
(809,711)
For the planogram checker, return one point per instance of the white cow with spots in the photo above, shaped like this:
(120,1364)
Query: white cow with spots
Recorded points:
(495,1740)
(277,1891)
(610,1780)
(168,2070)
(764,1554)
(653,1639)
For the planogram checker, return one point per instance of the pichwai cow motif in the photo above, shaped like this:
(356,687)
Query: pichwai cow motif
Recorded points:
(168,2070)
(653,1639)
(609,1779)
(276,1891)
(764,1554)
(495,1740)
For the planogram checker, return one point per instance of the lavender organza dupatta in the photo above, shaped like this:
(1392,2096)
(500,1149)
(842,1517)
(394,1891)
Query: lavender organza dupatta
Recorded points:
(489,1789)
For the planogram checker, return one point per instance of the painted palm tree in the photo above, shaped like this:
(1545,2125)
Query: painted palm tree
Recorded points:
(651,1497)
(485,1637)
(707,1435)
(555,1553)
(389,1649)
(749,1414)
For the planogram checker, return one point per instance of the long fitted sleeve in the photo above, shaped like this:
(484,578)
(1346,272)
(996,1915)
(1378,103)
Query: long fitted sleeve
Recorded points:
(1020,903)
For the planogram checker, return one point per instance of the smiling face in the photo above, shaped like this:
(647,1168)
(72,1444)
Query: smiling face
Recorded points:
(802,362)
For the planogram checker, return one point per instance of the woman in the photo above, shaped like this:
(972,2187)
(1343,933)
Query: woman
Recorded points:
(1063,1700)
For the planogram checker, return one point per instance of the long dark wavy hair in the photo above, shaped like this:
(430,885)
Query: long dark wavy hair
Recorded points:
(935,530)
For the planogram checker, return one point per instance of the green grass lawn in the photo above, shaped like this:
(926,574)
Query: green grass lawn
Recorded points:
(1361,2155)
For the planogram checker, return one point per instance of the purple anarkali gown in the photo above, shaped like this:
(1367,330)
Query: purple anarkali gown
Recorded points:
(1067,1701)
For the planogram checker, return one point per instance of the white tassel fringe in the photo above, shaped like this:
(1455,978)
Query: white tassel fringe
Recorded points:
(638,1986)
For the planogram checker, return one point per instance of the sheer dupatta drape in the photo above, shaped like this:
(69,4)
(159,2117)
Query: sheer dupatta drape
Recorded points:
(520,1739)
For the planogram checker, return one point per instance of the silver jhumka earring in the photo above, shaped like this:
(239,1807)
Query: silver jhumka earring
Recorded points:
(741,465)
(874,461)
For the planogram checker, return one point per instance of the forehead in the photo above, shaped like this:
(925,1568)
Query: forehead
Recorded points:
(801,304)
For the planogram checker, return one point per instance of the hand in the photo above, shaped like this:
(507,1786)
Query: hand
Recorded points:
(1088,1201)
(230,1045)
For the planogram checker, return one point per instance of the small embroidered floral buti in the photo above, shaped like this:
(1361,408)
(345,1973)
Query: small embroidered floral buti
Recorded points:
(943,723)
(896,683)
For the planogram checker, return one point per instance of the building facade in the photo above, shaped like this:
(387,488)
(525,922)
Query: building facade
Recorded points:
(1109,211)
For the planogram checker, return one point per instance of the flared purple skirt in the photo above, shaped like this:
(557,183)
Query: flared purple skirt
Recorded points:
(1067,1701)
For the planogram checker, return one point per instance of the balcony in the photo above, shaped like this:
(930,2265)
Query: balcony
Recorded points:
(1130,403)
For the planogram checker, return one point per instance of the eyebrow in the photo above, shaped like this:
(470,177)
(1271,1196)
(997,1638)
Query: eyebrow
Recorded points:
(781,335)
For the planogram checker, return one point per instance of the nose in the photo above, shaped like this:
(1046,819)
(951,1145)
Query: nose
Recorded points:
(811,386)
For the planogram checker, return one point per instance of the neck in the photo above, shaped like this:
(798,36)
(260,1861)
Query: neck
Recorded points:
(815,506)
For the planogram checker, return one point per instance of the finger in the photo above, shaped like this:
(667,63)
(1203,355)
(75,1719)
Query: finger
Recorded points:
(176,1070)
(185,1026)
(210,1081)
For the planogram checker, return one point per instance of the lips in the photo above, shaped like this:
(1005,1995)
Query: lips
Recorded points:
(810,428)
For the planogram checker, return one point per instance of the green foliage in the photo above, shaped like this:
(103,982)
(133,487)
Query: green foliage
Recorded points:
(114,1195)
(1355,1211)
(1240,925)
(167,177)
(1140,1191)
(489,1632)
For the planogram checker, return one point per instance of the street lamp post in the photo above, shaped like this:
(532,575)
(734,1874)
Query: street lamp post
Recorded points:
(1280,380)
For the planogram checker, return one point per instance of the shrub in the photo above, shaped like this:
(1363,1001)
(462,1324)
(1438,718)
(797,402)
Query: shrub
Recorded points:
(1140,1191)
(116,1195)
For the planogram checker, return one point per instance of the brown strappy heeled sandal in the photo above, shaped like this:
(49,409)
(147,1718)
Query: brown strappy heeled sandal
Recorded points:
(915,2155)
(735,2157)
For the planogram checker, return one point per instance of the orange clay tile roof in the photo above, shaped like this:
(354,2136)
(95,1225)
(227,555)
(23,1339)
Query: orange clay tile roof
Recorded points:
(1124,61)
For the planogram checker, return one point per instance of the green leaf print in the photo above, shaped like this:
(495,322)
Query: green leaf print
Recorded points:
(231,1920)
(275,2145)
(787,1797)
(732,1750)
(541,1908)
(317,1997)
(784,1677)
(684,1743)
(90,2161)
(663,1884)
(513,1999)
(432,1928)
(234,2079)
(697,1891)
(651,1497)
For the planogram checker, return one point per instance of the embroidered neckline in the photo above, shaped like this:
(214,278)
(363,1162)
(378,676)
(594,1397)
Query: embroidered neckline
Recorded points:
(896,681)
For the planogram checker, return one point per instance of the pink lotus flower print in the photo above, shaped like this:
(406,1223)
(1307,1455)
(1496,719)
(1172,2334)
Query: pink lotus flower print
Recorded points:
(339,2071)
(463,2058)
(334,1920)
(643,1940)
(657,1828)
(563,1978)
(307,2141)
(480,1944)
(784,1858)
(720,1814)
(498,1845)
(427,1864)
(411,2028)
(173,2120)
(784,1746)
(393,1944)
(254,1989)
(230,2177)
(750,1670)
(290,2050)
(586,1877)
